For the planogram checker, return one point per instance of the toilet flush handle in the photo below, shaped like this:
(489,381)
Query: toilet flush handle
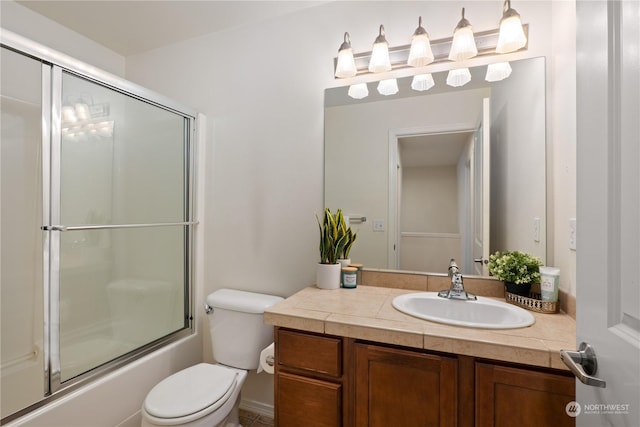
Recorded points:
(207,308)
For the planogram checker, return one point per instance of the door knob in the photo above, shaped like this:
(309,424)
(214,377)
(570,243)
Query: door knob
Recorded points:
(583,364)
(481,261)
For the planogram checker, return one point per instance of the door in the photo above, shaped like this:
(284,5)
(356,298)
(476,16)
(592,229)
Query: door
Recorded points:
(21,262)
(541,397)
(118,225)
(480,188)
(608,209)
(395,387)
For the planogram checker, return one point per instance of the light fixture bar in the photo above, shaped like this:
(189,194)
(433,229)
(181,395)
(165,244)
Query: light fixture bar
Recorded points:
(486,42)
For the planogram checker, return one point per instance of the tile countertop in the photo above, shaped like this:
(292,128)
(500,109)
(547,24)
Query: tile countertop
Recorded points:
(366,313)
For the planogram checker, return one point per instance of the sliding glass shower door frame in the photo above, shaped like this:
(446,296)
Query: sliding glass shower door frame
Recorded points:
(54,64)
(55,227)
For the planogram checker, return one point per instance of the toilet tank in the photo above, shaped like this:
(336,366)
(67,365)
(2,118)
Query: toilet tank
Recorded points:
(236,324)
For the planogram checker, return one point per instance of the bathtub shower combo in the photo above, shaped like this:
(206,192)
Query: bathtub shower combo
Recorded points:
(96,223)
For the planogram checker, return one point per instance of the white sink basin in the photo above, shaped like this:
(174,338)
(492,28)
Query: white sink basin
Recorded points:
(482,313)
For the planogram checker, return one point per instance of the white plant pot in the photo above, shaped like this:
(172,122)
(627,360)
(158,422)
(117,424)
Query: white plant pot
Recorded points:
(344,262)
(328,276)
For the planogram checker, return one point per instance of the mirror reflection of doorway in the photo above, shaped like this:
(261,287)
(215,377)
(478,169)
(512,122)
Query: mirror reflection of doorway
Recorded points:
(443,199)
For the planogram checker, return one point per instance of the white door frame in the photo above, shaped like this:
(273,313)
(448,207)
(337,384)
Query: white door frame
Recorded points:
(393,244)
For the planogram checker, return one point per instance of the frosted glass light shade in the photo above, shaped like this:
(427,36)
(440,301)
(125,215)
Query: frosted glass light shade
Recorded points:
(380,60)
(497,72)
(346,64)
(459,77)
(420,53)
(511,37)
(388,87)
(358,91)
(422,82)
(463,45)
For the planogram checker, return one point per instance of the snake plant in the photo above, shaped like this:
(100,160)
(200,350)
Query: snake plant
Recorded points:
(333,236)
(345,230)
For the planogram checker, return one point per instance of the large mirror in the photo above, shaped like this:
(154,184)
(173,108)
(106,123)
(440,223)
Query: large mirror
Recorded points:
(444,173)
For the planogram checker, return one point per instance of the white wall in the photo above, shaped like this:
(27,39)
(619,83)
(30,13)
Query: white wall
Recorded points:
(429,195)
(561,144)
(518,159)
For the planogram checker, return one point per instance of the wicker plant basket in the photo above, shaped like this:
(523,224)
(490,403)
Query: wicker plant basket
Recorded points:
(533,302)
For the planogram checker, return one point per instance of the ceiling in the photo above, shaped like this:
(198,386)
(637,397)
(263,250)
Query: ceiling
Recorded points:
(132,27)
(442,149)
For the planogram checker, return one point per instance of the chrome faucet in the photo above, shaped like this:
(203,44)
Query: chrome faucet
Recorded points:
(456,291)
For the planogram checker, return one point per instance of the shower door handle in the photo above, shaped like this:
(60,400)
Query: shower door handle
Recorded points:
(53,228)
(111,226)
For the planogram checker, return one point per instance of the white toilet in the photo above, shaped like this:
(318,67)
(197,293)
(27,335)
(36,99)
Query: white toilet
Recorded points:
(207,395)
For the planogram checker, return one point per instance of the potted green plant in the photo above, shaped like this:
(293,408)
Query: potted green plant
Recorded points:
(332,242)
(345,235)
(518,270)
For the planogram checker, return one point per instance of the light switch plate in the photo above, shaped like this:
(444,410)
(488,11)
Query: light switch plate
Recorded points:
(536,229)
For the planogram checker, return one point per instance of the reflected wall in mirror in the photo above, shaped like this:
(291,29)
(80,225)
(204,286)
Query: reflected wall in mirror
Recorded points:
(447,173)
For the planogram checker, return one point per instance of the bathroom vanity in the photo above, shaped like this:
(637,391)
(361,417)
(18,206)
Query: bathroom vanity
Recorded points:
(346,357)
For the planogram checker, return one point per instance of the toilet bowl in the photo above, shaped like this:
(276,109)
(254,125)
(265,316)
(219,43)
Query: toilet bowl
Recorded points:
(208,395)
(202,395)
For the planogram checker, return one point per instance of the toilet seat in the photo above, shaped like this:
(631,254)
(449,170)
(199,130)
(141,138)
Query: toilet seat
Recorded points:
(191,393)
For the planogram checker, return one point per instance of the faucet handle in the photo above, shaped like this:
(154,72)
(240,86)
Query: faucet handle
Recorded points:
(453,267)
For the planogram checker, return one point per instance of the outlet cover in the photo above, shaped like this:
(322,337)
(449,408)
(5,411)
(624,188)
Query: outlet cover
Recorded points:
(378,225)
(572,234)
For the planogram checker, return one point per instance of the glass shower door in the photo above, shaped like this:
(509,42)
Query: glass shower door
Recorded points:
(21,270)
(119,215)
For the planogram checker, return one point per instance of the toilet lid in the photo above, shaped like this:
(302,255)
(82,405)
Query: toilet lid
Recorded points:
(189,391)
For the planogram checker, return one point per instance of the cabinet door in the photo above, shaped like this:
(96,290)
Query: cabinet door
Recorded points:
(308,402)
(404,388)
(507,396)
(314,353)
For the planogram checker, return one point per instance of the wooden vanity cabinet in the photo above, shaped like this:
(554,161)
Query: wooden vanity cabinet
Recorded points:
(515,396)
(309,379)
(396,387)
(328,381)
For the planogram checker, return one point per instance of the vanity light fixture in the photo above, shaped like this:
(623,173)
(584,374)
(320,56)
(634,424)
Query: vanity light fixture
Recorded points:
(346,66)
(358,91)
(380,61)
(422,82)
(388,87)
(458,77)
(463,45)
(420,53)
(498,71)
(384,64)
(81,117)
(511,37)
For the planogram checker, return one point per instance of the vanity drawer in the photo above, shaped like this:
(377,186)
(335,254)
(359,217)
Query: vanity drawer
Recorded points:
(320,354)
